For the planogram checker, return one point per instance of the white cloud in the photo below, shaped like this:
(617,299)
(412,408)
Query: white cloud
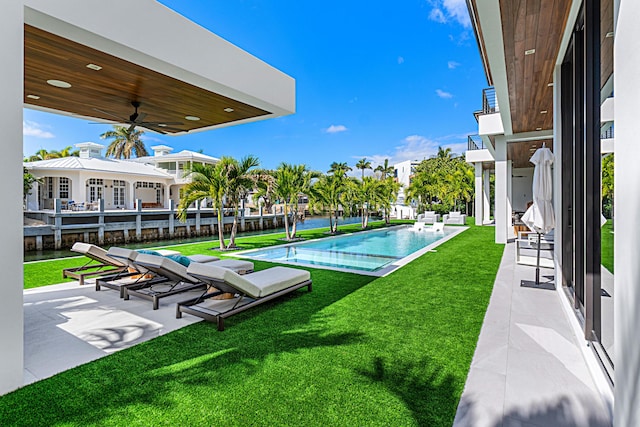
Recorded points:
(35,129)
(400,60)
(445,11)
(442,94)
(418,147)
(335,129)
(453,64)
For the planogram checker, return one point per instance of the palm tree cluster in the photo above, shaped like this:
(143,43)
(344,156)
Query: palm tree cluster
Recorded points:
(43,154)
(126,142)
(226,183)
(444,180)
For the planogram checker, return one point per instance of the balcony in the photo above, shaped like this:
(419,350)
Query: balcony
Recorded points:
(475,142)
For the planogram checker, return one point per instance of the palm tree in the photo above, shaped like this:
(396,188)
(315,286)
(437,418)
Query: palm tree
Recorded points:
(289,182)
(240,181)
(68,151)
(207,181)
(385,170)
(327,194)
(362,165)
(444,153)
(125,142)
(388,192)
(366,194)
(339,168)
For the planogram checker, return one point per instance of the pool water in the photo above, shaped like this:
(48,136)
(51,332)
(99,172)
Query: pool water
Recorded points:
(368,251)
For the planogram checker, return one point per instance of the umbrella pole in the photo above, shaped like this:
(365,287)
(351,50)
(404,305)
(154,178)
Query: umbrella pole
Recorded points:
(538,263)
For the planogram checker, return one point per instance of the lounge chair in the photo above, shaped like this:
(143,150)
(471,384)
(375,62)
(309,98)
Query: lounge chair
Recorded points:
(105,263)
(138,276)
(435,227)
(176,278)
(430,217)
(456,218)
(250,290)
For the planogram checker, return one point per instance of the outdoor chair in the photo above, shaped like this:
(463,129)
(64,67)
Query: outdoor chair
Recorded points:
(526,248)
(431,217)
(249,290)
(176,278)
(455,218)
(105,263)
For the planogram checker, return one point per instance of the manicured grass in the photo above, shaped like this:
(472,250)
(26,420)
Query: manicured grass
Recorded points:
(607,245)
(358,350)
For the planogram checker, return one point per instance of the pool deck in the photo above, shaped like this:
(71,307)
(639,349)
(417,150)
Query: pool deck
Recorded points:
(529,369)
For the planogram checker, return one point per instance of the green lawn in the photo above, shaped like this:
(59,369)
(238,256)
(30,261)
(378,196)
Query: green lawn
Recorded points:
(392,351)
(607,245)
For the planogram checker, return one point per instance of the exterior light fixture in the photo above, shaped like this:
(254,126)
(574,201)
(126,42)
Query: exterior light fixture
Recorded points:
(609,35)
(59,83)
(33,96)
(529,52)
(550,84)
(94,67)
(538,128)
(192,118)
(543,112)
(228,110)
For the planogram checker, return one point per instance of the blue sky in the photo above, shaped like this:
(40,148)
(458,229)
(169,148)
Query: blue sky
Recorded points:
(374,79)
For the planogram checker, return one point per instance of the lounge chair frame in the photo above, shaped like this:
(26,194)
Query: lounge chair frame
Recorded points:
(89,270)
(243,302)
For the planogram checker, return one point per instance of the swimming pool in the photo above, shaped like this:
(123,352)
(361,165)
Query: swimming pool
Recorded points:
(376,251)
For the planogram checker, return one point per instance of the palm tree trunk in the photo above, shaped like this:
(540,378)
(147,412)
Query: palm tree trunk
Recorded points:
(221,229)
(365,218)
(330,221)
(286,221)
(234,228)
(294,226)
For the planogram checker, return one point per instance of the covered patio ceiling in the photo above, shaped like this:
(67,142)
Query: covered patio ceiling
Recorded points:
(189,81)
(524,60)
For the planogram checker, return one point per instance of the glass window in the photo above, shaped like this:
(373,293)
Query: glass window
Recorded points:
(64,188)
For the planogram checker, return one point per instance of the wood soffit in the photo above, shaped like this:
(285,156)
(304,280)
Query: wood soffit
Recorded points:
(113,88)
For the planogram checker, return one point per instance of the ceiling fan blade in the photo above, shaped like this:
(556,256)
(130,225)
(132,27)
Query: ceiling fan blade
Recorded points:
(139,117)
(110,114)
(132,127)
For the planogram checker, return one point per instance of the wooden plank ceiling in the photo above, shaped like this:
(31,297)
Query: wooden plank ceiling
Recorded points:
(532,25)
(537,25)
(114,87)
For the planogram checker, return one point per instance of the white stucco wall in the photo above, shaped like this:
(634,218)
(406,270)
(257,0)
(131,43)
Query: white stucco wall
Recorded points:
(627,201)
(11,75)
(522,192)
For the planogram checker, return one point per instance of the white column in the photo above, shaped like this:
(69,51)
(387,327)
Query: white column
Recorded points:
(486,210)
(131,196)
(510,232)
(167,195)
(479,195)
(627,202)
(501,190)
(11,75)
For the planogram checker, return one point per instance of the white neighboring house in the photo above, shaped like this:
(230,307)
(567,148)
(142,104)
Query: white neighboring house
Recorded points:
(80,182)
(176,165)
(403,172)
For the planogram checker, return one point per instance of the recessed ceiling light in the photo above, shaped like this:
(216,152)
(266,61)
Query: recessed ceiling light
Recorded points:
(33,96)
(550,84)
(538,128)
(228,110)
(192,118)
(543,112)
(529,52)
(162,125)
(609,34)
(59,83)
(94,67)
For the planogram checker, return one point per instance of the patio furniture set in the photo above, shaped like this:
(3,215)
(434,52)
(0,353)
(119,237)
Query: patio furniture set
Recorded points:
(228,286)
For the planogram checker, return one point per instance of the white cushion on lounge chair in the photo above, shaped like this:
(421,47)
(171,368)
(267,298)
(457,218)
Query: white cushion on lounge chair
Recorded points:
(202,258)
(165,267)
(96,253)
(255,285)
(237,265)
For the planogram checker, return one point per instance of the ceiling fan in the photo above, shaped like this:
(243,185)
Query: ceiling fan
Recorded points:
(137,120)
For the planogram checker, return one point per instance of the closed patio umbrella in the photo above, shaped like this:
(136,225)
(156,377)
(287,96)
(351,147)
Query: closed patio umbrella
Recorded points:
(539,217)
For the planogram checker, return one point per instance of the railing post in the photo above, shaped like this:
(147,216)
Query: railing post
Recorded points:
(139,219)
(171,218)
(101,222)
(57,207)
